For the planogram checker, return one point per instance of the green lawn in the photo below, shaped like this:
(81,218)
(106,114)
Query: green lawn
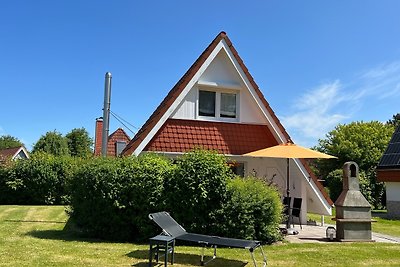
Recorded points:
(35,236)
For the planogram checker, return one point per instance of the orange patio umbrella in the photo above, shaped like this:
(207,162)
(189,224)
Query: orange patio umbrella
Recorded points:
(289,151)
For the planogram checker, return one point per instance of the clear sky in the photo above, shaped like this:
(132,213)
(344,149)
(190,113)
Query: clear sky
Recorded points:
(318,63)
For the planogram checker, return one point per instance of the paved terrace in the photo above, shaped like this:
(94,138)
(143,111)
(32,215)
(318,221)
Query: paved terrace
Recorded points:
(316,234)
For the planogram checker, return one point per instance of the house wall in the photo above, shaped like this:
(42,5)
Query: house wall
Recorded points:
(187,108)
(393,199)
(220,75)
(273,171)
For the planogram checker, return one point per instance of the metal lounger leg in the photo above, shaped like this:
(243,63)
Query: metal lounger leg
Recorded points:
(254,260)
(202,263)
(264,257)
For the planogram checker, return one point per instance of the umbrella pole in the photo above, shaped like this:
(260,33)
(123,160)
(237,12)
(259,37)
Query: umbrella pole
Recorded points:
(288,192)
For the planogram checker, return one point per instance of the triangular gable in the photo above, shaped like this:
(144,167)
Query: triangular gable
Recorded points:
(168,106)
(12,153)
(119,134)
(161,114)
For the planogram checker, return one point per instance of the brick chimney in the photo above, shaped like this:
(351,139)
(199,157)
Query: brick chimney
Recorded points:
(98,136)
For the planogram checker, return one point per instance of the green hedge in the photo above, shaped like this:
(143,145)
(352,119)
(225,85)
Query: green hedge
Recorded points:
(253,210)
(111,198)
(40,180)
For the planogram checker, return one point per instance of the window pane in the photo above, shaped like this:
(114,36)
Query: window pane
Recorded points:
(119,146)
(207,103)
(228,105)
(237,168)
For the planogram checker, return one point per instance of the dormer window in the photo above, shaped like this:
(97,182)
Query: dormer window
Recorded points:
(221,105)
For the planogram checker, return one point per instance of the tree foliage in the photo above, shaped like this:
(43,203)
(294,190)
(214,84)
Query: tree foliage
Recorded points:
(52,143)
(361,142)
(8,141)
(395,121)
(79,142)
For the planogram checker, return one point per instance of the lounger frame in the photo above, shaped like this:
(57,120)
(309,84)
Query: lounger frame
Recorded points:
(171,228)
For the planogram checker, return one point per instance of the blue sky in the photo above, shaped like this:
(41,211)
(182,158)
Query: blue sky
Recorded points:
(318,63)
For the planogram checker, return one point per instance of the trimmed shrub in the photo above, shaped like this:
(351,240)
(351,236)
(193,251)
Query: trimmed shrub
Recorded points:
(111,198)
(253,210)
(197,190)
(36,181)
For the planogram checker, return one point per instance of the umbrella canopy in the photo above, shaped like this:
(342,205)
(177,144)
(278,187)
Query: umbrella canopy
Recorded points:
(289,151)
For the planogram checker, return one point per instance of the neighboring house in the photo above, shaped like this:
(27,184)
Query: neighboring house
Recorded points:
(13,153)
(117,141)
(388,171)
(217,105)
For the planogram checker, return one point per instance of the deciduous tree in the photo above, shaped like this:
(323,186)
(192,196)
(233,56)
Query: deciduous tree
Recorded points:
(395,120)
(79,142)
(8,141)
(361,142)
(53,143)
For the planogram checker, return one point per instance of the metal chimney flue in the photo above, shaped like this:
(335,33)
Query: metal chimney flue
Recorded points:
(106,114)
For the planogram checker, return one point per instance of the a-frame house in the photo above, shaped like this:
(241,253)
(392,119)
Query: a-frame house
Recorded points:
(217,105)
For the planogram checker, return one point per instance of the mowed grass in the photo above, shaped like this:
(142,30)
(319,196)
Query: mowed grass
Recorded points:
(35,236)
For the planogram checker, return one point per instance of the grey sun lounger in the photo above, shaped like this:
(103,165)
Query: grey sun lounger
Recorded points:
(171,228)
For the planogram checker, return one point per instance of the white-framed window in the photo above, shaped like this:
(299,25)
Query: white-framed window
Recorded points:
(207,103)
(228,105)
(218,105)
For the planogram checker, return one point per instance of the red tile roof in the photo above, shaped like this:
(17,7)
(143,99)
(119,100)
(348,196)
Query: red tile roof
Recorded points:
(181,84)
(227,138)
(117,135)
(9,152)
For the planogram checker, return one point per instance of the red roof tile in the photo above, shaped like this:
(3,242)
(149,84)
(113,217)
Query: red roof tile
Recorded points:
(227,138)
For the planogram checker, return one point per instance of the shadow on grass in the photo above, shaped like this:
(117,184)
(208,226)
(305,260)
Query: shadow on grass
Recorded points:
(69,233)
(31,221)
(184,259)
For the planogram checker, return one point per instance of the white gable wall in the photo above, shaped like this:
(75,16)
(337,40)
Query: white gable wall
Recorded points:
(221,75)
(187,108)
